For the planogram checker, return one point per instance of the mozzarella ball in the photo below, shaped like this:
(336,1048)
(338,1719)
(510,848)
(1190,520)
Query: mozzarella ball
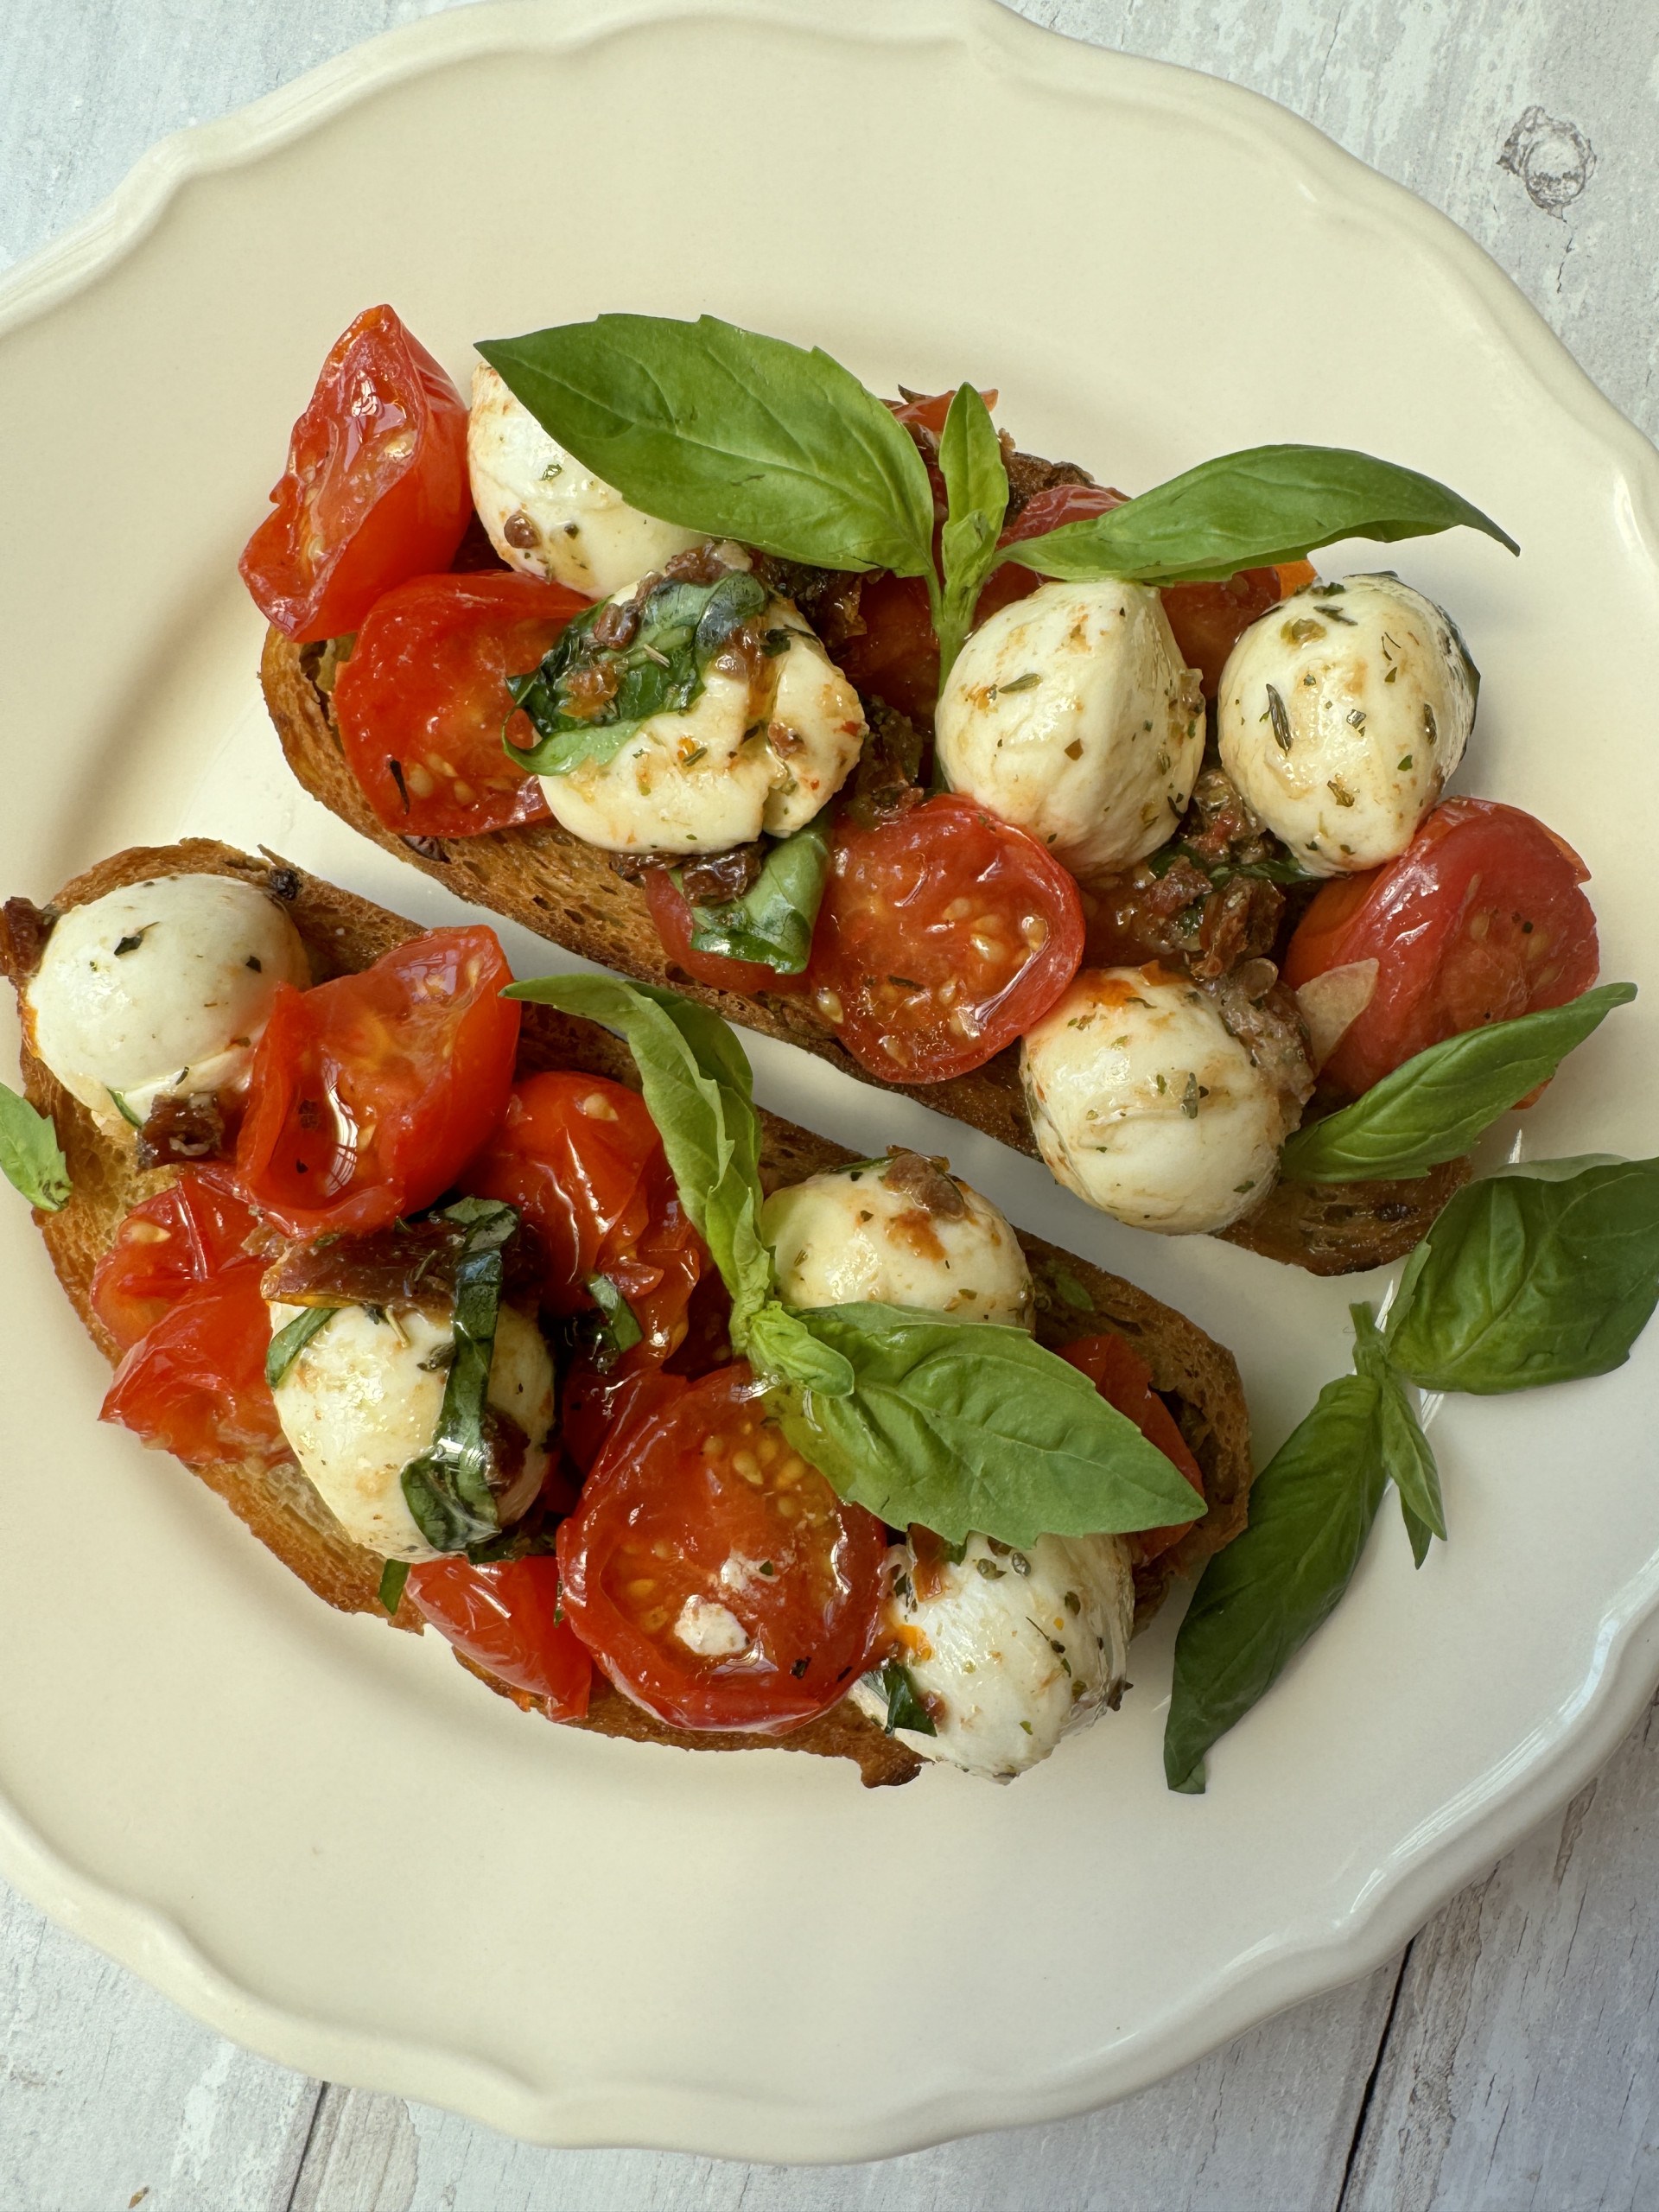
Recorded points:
(547,515)
(1341,714)
(1072,715)
(1144,1103)
(363,1400)
(737,762)
(158,990)
(921,1239)
(1010,1650)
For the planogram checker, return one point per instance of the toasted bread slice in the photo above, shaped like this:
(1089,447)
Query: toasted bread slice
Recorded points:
(342,934)
(549,881)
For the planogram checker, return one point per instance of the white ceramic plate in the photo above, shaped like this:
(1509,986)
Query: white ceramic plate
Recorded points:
(326,1840)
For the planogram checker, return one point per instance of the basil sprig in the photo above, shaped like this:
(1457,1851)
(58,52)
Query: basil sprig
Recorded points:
(1524,1280)
(725,431)
(662,671)
(291,1339)
(1251,510)
(773,922)
(30,1158)
(447,1487)
(961,1426)
(1434,1107)
(976,488)
(1312,1507)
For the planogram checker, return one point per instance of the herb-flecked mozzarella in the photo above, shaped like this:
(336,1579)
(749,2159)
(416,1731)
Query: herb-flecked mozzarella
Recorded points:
(547,515)
(363,1398)
(1009,1650)
(748,755)
(1342,713)
(159,989)
(1072,715)
(1145,1103)
(848,1236)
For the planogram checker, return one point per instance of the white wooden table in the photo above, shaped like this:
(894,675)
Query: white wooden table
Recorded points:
(1508,2057)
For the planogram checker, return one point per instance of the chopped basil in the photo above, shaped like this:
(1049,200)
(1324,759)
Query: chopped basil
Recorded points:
(292,1338)
(773,922)
(446,1488)
(619,1329)
(30,1158)
(905,1708)
(129,1114)
(682,627)
(393,1575)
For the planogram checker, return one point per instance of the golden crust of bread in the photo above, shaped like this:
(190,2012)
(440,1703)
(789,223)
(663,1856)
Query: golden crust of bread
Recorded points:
(549,881)
(343,933)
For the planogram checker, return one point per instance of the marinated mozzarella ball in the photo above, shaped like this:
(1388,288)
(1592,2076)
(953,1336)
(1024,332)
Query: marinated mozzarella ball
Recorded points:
(1010,1650)
(1072,715)
(1144,1103)
(158,990)
(363,1398)
(898,1232)
(732,765)
(1341,716)
(547,515)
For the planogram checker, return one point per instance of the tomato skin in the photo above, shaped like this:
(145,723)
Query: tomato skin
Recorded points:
(660,1516)
(1124,1380)
(194,1383)
(1480,920)
(416,1051)
(376,486)
(426,684)
(671,914)
(175,1239)
(506,1617)
(883,926)
(1208,619)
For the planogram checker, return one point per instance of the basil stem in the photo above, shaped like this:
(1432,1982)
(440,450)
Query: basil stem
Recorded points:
(1434,1107)
(905,1708)
(773,922)
(446,1488)
(291,1339)
(30,1158)
(393,1575)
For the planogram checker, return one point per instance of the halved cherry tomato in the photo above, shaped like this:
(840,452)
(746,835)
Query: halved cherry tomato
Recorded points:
(194,1383)
(1480,920)
(369,1094)
(424,702)
(671,914)
(1124,1380)
(375,489)
(506,1617)
(182,1236)
(1208,619)
(942,937)
(714,1576)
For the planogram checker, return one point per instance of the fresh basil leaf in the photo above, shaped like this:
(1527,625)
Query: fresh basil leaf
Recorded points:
(1259,1601)
(773,922)
(905,1708)
(782,1345)
(696,1083)
(976,488)
(1434,1107)
(1251,510)
(723,430)
(393,1575)
(30,1158)
(447,1487)
(620,1328)
(292,1338)
(1523,1282)
(1406,1452)
(967,1426)
(662,671)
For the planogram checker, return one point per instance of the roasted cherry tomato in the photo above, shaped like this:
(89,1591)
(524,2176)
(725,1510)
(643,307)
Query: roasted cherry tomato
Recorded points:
(369,1094)
(671,913)
(942,937)
(506,1617)
(194,1383)
(424,702)
(1480,920)
(1208,619)
(176,1237)
(1124,1380)
(714,1576)
(375,486)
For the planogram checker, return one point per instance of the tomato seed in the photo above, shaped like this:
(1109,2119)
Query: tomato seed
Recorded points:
(640,1587)
(959,910)
(786,1508)
(714,1447)
(654,1619)
(464,792)
(746,1464)
(1035,929)
(148,1232)
(830,1006)
(418,781)
(988,948)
